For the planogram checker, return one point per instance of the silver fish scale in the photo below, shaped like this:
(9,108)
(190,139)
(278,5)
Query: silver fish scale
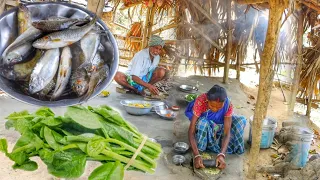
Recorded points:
(44,71)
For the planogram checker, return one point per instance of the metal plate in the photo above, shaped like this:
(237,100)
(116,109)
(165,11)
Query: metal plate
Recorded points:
(9,31)
(187,88)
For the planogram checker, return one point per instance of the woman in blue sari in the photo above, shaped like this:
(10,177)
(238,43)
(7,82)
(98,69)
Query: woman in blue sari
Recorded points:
(213,126)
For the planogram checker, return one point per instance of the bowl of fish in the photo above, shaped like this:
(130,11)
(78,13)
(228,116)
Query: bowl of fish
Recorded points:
(136,107)
(55,54)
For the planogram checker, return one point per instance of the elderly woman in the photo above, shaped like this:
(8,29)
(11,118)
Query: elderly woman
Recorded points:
(143,70)
(213,126)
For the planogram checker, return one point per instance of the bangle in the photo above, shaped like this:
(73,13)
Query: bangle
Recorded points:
(221,154)
(197,156)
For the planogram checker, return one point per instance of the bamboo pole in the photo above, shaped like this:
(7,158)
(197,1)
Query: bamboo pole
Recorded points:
(296,78)
(251,1)
(311,5)
(165,28)
(96,6)
(229,44)
(206,14)
(277,8)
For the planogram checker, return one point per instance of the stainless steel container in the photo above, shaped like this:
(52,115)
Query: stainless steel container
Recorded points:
(9,31)
(178,159)
(180,147)
(136,110)
(167,114)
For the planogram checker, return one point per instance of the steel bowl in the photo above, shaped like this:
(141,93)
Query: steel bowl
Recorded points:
(136,110)
(156,104)
(180,147)
(178,159)
(187,88)
(167,114)
(9,31)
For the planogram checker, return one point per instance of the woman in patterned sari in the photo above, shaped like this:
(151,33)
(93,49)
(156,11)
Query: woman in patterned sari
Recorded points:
(213,126)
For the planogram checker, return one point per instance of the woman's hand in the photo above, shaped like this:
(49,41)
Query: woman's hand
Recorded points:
(153,89)
(220,162)
(198,162)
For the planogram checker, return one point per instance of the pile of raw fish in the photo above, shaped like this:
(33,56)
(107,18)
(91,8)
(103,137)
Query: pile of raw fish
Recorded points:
(55,58)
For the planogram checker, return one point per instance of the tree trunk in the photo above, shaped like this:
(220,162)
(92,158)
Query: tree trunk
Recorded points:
(296,79)
(277,8)
(229,44)
(96,6)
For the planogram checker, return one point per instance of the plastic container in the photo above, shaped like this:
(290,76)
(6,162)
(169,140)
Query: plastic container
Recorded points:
(268,129)
(301,140)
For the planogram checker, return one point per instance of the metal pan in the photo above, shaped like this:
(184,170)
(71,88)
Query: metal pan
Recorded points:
(187,88)
(9,31)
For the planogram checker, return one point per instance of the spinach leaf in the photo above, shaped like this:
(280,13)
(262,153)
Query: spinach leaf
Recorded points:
(50,139)
(18,157)
(20,115)
(44,111)
(117,133)
(27,166)
(28,142)
(67,164)
(52,121)
(108,171)
(95,147)
(84,117)
(3,146)
(46,155)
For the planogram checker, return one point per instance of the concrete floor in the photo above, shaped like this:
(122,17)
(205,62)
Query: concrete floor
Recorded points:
(165,132)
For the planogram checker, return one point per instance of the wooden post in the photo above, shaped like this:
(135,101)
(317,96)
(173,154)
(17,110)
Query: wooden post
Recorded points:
(296,78)
(2,6)
(229,44)
(277,8)
(151,20)
(96,6)
(145,29)
(310,93)
(239,57)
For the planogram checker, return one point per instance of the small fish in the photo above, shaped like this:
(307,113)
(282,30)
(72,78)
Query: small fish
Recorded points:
(46,90)
(80,81)
(64,73)
(44,71)
(96,78)
(24,18)
(28,36)
(19,54)
(77,56)
(22,71)
(89,45)
(64,38)
(56,24)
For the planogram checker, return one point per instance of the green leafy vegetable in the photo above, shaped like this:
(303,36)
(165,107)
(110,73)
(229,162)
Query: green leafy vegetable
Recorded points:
(27,166)
(65,143)
(67,164)
(3,146)
(108,171)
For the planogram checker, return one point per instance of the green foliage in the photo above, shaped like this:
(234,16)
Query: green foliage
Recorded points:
(65,143)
